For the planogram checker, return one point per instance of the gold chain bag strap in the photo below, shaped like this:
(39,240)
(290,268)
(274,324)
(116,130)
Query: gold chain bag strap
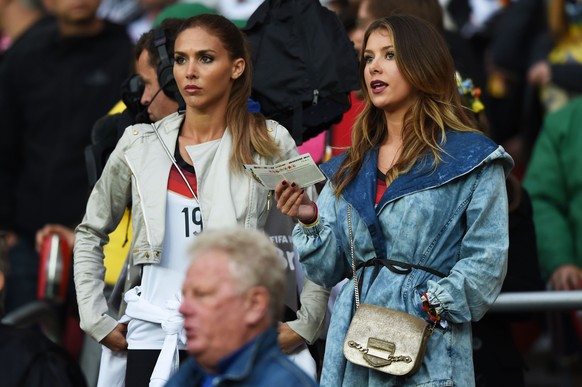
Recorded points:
(383,339)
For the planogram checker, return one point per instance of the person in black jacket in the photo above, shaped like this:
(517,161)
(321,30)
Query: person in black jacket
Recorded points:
(55,82)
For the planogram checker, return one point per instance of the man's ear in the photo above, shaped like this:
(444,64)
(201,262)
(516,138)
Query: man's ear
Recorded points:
(257,304)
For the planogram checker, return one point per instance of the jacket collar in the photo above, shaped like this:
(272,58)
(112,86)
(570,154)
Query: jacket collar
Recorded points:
(170,122)
(243,364)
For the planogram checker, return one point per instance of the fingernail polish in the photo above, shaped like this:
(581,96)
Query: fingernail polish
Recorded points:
(293,184)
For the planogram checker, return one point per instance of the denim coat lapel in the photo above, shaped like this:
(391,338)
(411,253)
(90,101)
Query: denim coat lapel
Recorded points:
(463,152)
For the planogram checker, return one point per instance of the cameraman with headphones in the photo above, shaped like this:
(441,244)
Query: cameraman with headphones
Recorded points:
(154,51)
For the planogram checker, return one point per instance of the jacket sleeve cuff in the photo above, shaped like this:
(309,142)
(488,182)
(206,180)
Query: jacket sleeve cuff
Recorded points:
(104,327)
(313,229)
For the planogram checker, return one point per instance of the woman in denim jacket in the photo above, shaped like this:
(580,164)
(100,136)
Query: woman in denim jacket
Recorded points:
(427,195)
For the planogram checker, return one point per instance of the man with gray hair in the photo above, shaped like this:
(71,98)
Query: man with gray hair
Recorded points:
(233,298)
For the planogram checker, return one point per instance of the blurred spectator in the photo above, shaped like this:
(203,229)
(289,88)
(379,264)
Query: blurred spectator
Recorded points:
(151,9)
(470,17)
(557,59)
(555,191)
(16,17)
(518,38)
(556,194)
(554,74)
(49,105)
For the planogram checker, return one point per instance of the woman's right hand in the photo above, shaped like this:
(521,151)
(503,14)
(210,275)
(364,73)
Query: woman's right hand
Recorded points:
(294,202)
(115,340)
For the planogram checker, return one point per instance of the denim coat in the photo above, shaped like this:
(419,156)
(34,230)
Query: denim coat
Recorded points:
(453,219)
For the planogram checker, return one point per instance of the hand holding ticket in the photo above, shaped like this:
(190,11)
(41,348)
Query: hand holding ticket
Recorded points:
(301,170)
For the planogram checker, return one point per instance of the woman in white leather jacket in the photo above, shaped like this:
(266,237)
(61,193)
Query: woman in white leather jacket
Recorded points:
(182,175)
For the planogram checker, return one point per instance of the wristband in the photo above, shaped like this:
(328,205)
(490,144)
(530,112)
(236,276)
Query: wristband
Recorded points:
(430,309)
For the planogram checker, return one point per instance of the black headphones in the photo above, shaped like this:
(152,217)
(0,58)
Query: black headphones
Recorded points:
(131,91)
(165,69)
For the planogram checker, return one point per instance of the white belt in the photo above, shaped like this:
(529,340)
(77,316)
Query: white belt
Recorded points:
(168,361)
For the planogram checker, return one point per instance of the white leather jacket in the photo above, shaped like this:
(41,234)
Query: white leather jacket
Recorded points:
(137,172)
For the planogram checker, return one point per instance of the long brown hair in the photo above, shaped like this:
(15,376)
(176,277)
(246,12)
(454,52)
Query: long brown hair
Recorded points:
(424,60)
(249,130)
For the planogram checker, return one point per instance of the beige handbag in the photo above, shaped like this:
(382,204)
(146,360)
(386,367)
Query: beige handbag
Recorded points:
(383,339)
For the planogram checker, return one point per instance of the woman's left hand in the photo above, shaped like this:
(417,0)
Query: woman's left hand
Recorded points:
(294,202)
